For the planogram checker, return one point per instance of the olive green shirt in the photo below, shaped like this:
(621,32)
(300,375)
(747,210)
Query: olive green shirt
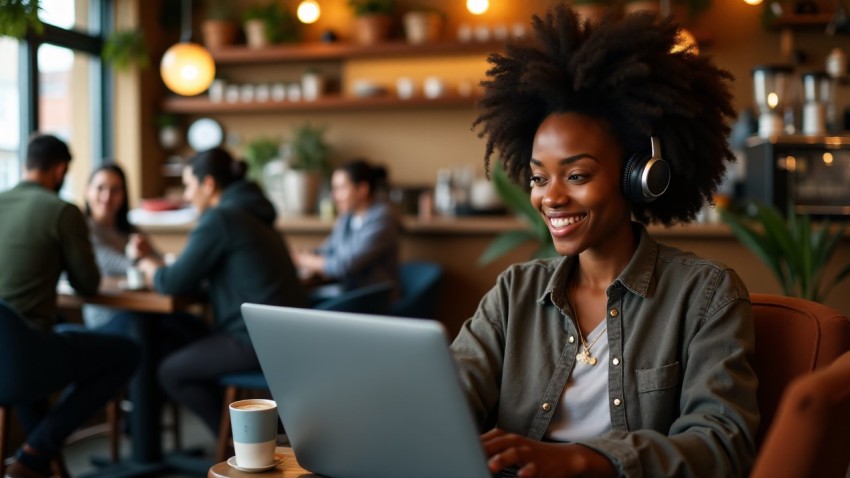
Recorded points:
(681,385)
(41,236)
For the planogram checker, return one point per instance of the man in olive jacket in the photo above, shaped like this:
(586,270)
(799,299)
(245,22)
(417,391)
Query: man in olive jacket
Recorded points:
(40,237)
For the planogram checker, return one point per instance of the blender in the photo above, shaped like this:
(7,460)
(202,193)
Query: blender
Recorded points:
(771,85)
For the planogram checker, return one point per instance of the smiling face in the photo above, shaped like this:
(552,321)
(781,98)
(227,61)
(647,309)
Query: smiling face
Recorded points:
(576,171)
(105,195)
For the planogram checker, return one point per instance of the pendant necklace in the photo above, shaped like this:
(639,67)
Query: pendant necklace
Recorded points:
(585,355)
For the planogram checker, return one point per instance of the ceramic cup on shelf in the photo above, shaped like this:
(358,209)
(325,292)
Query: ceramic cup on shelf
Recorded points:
(405,88)
(433,87)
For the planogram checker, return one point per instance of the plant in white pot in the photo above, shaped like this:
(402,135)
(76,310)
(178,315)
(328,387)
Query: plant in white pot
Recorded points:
(307,161)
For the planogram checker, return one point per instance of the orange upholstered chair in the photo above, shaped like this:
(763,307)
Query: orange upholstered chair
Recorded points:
(793,338)
(810,435)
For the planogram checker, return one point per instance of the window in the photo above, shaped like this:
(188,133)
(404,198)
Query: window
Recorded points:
(56,85)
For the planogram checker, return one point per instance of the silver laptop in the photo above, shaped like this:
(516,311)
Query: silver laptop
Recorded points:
(364,396)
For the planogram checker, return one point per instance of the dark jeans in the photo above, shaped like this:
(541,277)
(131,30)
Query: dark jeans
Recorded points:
(191,360)
(189,375)
(89,368)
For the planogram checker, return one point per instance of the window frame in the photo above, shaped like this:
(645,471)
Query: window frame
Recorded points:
(101,89)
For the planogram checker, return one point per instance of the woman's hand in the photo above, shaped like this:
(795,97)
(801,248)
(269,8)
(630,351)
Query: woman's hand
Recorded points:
(138,247)
(536,459)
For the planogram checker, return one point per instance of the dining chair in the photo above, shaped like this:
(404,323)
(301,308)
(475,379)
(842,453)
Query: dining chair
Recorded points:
(371,299)
(420,290)
(793,338)
(810,434)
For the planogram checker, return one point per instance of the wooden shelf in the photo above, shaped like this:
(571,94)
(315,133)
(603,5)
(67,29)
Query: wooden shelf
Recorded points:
(806,20)
(342,51)
(202,105)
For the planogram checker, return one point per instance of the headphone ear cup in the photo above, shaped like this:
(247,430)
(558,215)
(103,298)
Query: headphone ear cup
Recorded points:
(632,173)
(645,178)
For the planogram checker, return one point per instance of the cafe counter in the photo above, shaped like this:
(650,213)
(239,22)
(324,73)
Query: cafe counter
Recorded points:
(457,242)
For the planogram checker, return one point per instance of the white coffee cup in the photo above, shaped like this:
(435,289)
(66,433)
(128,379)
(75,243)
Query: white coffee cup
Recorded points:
(405,87)
(433,87)
(254,425)
(135,278)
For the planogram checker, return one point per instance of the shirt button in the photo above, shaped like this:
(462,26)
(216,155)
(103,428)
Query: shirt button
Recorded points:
(572,339)
(616,361)
(614,312)
(616,402)
(546,407)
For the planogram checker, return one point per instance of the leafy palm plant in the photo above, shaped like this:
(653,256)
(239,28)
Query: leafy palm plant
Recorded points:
(516,198)
(794,250)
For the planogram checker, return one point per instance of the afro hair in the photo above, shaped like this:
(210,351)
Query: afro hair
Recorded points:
(627,73)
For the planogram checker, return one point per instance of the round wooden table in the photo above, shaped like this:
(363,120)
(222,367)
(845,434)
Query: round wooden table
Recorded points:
(288,469)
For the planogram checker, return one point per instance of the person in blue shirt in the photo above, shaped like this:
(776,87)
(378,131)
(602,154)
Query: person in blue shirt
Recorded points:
(363,248)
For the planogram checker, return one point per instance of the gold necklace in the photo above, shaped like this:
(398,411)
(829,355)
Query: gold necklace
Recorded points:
(585,355)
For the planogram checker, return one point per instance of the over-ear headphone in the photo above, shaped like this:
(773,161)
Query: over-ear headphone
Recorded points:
(646,177)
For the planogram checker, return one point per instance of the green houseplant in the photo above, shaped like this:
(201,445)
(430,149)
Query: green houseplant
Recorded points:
(124,48)
(307,161)
(268,24)
(516,198)
(309,149)
(218,28)
(372,20)
(258,153)
(794,250)
(19,16)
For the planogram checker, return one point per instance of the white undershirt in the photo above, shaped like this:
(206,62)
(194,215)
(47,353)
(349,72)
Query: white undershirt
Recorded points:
(583,409)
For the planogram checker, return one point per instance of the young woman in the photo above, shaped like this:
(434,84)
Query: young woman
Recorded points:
(107,208)
(236,253)
(363,247)
(624,357)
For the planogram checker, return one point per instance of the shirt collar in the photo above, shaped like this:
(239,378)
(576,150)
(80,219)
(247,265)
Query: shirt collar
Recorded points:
(636,277)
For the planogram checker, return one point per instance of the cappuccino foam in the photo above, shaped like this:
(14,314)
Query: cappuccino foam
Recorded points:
(252,406)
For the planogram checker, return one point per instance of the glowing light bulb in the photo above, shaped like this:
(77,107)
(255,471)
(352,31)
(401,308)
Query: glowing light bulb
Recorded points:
(827,158)
(772,100)
(753,2)
(187,69)
(309,11)
(477,7)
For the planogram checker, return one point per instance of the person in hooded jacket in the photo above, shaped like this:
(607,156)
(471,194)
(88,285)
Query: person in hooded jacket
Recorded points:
(235,255)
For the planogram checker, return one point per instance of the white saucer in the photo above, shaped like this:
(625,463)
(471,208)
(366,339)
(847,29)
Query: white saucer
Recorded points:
(278,459)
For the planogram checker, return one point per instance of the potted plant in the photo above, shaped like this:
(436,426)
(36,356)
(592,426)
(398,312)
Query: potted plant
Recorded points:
(307,160)
(258,153)
(124,48)
(422,26)
(168,131)
(795,251)
(517,199)
(372,20)
(19,16)
(269,24)
(219,29)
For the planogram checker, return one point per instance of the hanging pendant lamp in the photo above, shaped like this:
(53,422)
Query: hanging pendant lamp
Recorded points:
(187,68)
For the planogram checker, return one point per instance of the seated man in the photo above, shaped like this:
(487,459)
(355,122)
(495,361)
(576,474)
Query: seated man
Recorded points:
(41,237)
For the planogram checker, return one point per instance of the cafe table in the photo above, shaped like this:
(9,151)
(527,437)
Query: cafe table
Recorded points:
(289,468)
(145,422)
